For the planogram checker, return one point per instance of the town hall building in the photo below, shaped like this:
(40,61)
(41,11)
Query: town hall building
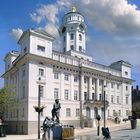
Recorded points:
(69,75)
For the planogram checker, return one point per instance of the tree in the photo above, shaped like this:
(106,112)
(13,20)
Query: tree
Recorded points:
(8,99)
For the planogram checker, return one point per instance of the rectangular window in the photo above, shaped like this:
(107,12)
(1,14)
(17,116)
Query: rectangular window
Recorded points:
(77,112)
(93,96)
(112,85)
(66,77)
(41,90)
(71,36)
(126,88)
(56,75)
(118,99)
(85,96)
(75,78)
(100,97)
(93,81)
(40,48)
(56,90)
(68,113)
(75,95)
(126,99)
(41,72)
(118,86)
(71,47)
(66,94)
(112,99)
(85,80)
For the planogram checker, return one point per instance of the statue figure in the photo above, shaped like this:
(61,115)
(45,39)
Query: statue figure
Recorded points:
(56,110)
(47,128)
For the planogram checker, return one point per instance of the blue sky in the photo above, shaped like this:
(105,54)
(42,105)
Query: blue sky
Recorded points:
(113,27)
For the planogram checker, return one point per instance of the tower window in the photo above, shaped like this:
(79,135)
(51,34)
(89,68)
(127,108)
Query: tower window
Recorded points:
(80,37)
(80,48)
(71,36)
(71,47)
(40,48)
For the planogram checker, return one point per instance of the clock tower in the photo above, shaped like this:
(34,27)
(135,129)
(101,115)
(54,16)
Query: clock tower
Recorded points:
(72,32)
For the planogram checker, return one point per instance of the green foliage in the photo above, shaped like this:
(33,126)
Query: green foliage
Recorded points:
(8,99)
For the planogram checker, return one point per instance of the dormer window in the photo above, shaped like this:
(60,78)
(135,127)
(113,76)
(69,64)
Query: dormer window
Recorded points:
(40,48)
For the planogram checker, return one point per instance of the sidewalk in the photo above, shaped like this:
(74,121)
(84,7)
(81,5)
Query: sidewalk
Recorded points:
(78,132)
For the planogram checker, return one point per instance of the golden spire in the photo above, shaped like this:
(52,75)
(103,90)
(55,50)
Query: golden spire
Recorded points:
(73,9)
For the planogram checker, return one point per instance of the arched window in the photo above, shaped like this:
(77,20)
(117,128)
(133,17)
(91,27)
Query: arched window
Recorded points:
(80,37)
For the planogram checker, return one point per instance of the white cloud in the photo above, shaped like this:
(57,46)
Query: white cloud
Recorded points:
(117,16)
(47,13)
(16,33)
(52,29)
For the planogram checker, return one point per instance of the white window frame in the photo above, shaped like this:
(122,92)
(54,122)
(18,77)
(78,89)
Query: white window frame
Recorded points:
(76,95)
(66,77)
(56,75)
(56,93)
(68,112)
(41,72)
(66,94)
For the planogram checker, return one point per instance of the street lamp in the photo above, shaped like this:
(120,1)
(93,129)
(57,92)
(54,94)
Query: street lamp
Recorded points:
(104,108)
(80,93)
(39,87)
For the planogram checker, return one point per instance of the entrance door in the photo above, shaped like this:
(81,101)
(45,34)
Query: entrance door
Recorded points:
(88,112)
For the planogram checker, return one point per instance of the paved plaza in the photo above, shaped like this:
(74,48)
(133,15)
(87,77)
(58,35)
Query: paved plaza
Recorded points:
(118,132)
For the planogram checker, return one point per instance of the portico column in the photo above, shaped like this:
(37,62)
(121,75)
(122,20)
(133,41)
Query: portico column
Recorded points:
(90,88)
(82,87)
(97,89)
(62,86)
(93,118)
(71,87)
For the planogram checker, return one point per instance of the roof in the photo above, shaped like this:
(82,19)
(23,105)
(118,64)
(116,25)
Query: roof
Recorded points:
(39,31)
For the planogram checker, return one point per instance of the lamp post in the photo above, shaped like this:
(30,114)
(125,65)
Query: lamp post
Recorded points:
(39,108)
(80,93)
(104,108)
